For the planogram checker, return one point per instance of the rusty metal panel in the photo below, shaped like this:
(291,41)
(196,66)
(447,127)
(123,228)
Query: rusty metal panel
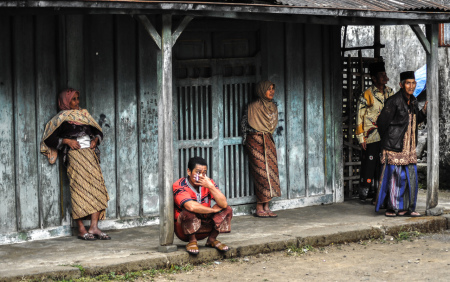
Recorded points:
(369,5)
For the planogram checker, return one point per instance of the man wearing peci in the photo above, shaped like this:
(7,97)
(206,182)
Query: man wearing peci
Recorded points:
(369,107)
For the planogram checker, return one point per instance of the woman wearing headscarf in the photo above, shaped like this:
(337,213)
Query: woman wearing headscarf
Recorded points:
(258,124)
(75,134)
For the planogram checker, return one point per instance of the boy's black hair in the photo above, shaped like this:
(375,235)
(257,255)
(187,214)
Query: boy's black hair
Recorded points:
(196,161)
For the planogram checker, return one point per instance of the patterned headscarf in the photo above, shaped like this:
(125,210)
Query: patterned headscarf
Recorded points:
(263,113)
(65,97)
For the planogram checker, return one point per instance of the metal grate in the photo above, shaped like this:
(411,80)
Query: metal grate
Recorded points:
(238,183)
(194,112)
(235,97)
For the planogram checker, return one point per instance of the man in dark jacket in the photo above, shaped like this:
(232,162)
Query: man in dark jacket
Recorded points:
(397,126)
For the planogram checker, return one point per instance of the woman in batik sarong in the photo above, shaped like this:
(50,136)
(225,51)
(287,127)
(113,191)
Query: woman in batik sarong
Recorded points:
(258,124)
(75,134)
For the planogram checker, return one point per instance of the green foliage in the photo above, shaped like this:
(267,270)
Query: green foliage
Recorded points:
(131,276)
(407,235)
(293,250)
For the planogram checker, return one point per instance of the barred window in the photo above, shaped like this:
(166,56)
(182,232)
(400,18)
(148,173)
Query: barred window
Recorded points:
(444,35)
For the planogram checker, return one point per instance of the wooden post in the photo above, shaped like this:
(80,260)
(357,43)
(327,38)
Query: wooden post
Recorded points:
(432,120)
(376,42)
(165,138)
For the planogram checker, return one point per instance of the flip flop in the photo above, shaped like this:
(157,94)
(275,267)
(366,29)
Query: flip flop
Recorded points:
(87,237)
(191,247)
(390,215)
(102,236)
(409,214)
(262,214)
(271,214)
(218,245)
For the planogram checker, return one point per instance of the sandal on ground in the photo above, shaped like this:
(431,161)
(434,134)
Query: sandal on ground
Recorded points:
(392,213)
(410,214)
(261,214)
(192,248)
(87,237)
(102,236)
(218,245)
(271,214)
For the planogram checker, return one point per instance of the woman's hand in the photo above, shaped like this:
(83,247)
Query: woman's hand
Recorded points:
(94,143)
(73,144)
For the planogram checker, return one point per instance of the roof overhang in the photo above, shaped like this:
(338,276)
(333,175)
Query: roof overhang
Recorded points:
(263,12)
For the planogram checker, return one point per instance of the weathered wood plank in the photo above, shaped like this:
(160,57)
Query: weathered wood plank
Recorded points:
(422,37)
(72,63)
(148,123)
(276,69)
(433,117)
(165,134)
(100,100)
(126,129)
(295,107)
(46,93)
(217,130)
(8,215)
(150,29)
(27,186)
(336,101)
(183,24)
(314,112)
(327,110)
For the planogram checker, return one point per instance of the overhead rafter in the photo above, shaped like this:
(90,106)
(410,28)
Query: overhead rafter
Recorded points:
(422,37)
(148,26)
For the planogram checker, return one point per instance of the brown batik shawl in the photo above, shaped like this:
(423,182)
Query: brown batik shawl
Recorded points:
(408,154)
(262,155)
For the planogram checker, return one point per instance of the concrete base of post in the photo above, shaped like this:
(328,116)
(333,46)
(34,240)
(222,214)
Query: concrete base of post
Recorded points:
(167,249)
(435,211)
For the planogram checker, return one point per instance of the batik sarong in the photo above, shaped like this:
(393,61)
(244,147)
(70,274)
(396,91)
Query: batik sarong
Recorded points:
(262,157)
(87,187)
(202,224)
(399,187)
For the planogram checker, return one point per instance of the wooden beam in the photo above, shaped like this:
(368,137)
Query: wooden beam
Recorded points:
(165,138)
(432,117)
(421,36)
(150,29)
(186,20)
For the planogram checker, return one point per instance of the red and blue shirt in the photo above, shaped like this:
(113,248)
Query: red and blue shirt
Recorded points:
(183,192)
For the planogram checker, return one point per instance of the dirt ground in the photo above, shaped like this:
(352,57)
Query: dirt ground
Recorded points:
(415,258)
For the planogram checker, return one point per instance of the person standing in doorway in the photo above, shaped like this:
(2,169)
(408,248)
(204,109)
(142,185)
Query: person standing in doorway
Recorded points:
(398,125)
(369,107)
(258,124)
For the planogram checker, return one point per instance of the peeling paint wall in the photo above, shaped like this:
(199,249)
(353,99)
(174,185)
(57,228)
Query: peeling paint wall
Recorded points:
(403,52)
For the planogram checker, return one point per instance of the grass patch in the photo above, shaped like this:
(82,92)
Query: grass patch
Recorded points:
(407,235)
(131,276)
(293,250)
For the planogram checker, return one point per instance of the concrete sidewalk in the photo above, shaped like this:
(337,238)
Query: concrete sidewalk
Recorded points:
(136,249)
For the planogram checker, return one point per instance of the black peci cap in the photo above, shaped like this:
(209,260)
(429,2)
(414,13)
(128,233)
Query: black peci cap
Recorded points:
(407,75)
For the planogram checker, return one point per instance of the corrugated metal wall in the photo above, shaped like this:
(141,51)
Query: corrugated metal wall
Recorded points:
(112,61)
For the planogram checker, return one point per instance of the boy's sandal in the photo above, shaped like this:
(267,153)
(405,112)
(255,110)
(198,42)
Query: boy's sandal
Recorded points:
(102,236)
(218,245)
(192,248)
(87,237)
